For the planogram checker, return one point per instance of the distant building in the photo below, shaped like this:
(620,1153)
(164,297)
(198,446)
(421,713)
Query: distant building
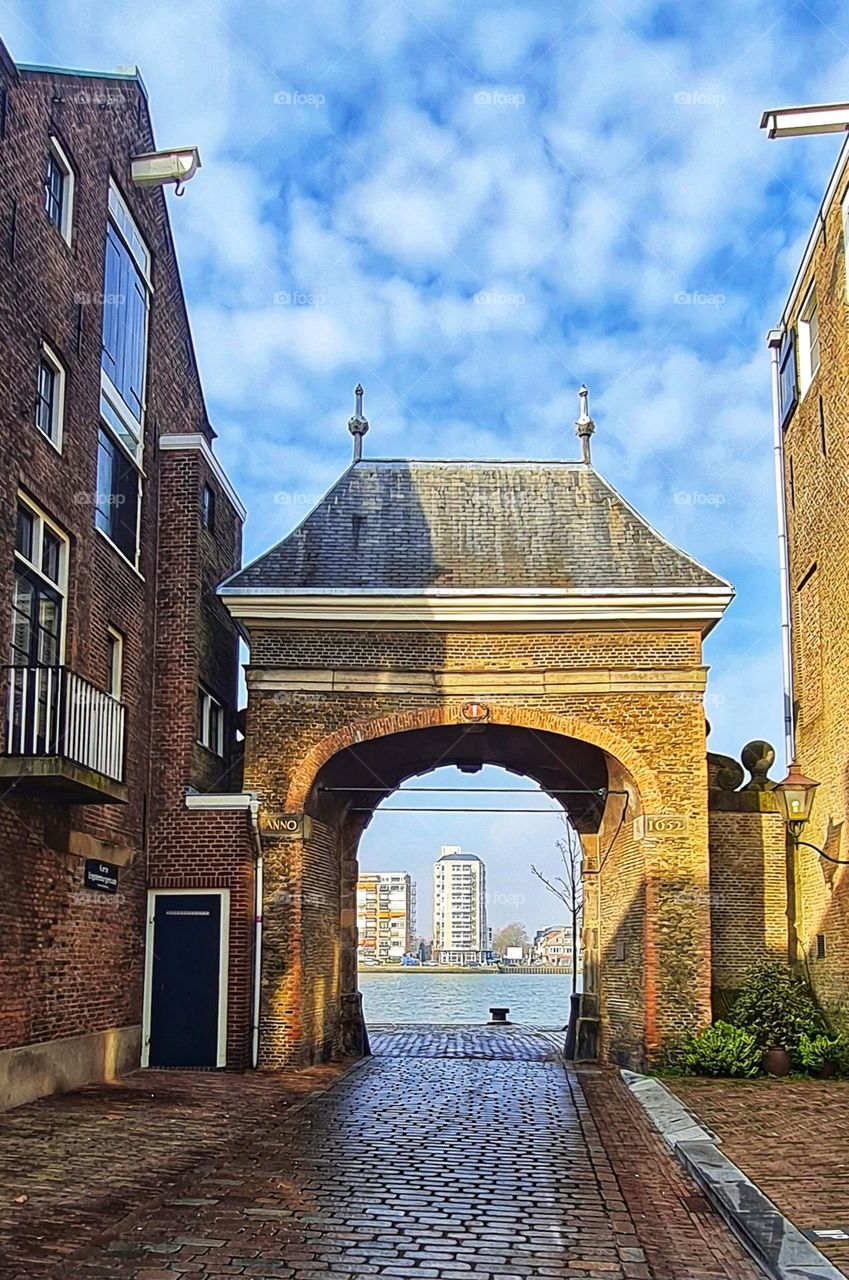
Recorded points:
(553,946)
(460,934)
(386,910)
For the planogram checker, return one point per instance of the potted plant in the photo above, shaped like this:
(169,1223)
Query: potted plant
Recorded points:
(776,1006)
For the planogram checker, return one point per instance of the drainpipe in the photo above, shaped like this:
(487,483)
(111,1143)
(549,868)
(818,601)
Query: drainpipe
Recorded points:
(774,340)
(254,820)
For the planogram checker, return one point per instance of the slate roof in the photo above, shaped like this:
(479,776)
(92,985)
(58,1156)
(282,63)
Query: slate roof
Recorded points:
(418,525)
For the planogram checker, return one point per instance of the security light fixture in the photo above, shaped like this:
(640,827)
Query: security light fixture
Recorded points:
(794,122)
(158,168)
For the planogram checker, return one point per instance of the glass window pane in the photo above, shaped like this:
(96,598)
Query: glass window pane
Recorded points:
(46,398)
(54,190)
(51,552)
(25,532)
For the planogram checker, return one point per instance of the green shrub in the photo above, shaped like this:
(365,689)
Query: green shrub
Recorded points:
(720,1050)
(818,1050)
(776,1006)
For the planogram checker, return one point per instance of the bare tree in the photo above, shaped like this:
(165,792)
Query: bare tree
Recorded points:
(569,888)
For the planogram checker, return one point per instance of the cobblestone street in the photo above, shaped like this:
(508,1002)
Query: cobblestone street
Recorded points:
(418,1163)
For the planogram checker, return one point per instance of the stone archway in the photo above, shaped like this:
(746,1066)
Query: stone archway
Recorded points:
(310,1008)
(533,590)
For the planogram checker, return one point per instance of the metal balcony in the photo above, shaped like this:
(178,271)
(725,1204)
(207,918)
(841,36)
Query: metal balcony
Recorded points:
(63,736)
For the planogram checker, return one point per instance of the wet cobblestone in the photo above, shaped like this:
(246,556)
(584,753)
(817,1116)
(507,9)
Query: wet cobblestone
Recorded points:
(422,1165)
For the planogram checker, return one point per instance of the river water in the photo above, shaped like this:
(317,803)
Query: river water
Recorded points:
(540,1000)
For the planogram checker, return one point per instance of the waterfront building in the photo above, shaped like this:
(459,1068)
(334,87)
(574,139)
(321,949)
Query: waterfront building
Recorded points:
(385,916)
(553,946)
(460,933)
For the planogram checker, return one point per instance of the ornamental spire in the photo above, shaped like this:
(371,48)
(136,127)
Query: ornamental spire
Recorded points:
(358,424)
(584,426)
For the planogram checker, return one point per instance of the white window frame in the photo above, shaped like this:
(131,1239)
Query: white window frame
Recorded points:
(49,356)
(42,521)
(115,639)
(223,967)
(208,701)
(112,403)
(134,563)
(809,362)
(66,225)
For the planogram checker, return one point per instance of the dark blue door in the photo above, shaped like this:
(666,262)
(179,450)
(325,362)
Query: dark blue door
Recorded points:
(185,980)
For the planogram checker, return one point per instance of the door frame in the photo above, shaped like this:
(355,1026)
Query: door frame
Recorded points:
(223,966)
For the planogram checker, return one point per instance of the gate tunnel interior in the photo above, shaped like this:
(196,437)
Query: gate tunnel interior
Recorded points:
(353,783)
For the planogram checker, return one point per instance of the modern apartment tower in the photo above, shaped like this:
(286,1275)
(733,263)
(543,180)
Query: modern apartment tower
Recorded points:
(386,916)
(460,934)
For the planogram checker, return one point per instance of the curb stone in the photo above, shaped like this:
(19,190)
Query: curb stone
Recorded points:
(777,1246)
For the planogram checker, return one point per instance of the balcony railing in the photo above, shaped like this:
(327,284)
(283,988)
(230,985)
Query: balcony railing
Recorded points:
(53,712)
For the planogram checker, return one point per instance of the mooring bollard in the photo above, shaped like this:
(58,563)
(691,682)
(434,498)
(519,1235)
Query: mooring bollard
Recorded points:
(498,1014)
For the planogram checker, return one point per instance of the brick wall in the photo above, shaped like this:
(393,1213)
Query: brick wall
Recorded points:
(748,890)
(71,961)
(817,458)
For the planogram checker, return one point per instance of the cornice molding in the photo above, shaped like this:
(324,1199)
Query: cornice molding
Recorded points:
(180,441)
(482,610)
(689,681)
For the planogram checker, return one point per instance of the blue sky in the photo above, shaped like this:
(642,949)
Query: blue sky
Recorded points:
(473,208)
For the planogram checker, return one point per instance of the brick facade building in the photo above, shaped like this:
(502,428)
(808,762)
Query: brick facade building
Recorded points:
(810,348)
(116,522)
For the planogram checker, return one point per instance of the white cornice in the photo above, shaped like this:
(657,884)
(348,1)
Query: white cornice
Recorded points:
(483,610)
(479,684)
(195,440)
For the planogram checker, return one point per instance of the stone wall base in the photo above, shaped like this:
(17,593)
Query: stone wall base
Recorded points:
(55,1066)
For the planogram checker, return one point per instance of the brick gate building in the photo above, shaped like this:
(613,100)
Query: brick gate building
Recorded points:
(511,613)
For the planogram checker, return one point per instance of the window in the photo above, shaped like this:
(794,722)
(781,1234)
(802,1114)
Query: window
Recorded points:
(126,298)
(210,723)
(820,946)
(809,341)
(115,662)
(50,396)
(788,395)
(59,190)
(207,508)
(117,499)
(41,565)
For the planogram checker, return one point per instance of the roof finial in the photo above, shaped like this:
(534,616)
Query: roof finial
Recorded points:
(584,426)
(358,424)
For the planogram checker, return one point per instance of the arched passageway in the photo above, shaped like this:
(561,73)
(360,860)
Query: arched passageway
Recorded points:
(311,1007)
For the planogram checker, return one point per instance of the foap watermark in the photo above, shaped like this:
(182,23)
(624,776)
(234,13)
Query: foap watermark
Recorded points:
(695,498)
(505,899)
(85,299)
(294,98)
(495,298)
(498,98)
(693,298)
(290,498)
(298,298)
(707,700)
(86,497)
(699,98)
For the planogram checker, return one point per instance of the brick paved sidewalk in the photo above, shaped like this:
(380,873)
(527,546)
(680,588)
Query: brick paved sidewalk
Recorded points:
(436,1168)
(791,1137)
(86,1160)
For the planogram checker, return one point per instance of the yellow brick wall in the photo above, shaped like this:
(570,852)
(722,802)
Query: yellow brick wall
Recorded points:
(818,536)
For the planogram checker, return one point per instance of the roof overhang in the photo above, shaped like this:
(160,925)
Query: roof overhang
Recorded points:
(529,609)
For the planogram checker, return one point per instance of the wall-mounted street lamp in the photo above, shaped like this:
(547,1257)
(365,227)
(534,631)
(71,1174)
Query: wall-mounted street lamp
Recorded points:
(795,798)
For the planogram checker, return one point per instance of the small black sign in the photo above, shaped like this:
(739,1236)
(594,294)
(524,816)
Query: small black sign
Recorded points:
(102,876)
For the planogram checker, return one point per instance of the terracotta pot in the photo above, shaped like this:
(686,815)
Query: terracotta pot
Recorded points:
(776,1061)
(826,1070)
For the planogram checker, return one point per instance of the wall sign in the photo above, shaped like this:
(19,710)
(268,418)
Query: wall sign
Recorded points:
(475,711)
(102,876)
(660,824)
(282,826)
